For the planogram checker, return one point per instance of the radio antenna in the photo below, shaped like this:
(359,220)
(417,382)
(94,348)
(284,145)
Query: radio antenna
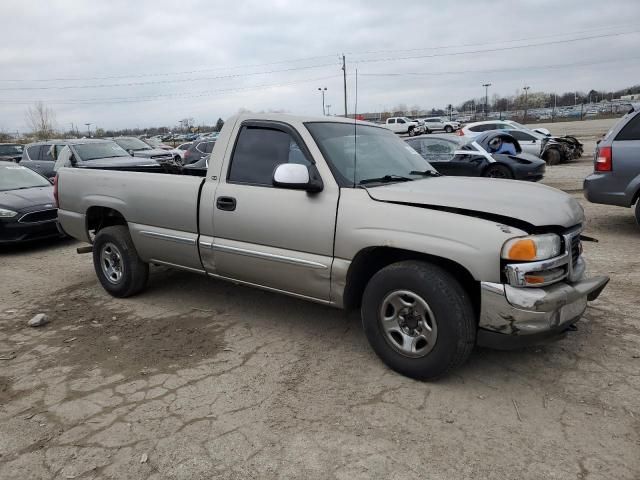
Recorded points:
(355,133)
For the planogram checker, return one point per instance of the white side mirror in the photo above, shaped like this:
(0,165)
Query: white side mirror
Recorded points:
(291,175)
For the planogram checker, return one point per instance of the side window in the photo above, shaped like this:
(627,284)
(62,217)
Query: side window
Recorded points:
(438,150)
(520,136)
(64,159)
(257,153)
(392,120)
(416,145)
(34,152)
(631,131)
(47,153)
(400,120)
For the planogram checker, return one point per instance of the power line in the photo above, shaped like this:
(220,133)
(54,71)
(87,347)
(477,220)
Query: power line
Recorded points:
(497,70)
(256,65)
(207,93)
(161,82)
(514,47)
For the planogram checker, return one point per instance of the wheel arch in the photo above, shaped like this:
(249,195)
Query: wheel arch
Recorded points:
(99,217)
(370,260)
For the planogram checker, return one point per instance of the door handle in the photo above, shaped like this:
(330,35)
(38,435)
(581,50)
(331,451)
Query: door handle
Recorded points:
(226,203)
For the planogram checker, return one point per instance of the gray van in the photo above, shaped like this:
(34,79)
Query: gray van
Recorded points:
(616,176)
(41,156)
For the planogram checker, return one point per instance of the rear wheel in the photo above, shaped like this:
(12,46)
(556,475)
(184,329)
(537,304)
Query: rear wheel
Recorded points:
(116,262)
(637,211)
(418,319)
(498,171)
(448,129)
(552,157)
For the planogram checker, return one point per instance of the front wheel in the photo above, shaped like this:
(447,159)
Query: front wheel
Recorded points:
(498,171)
(116,262)
(418,319)
(637,211)
(448,129)
(552,157)
(412,132)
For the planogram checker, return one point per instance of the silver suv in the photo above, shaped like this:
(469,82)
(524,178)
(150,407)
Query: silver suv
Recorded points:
(616,176)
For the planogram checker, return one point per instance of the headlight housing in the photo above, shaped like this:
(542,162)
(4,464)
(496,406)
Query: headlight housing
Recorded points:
(4,213)
(532,248)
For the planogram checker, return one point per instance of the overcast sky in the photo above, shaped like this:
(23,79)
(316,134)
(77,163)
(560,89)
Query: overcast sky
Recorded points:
(125,63)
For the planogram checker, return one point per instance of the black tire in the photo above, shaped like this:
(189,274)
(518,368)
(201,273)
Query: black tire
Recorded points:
(448,129)
(427,131)
(411,132)
(116,244)
(637,211)
(453,316)
(552,157)
(498,171)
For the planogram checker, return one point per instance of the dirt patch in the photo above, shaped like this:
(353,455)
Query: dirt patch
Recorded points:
(92,334)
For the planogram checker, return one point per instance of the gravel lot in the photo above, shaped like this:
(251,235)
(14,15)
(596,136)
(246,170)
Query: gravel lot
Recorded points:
(197,378)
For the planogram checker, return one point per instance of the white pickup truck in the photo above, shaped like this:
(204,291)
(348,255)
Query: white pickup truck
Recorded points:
(435,124)
(403,125)
(346,214)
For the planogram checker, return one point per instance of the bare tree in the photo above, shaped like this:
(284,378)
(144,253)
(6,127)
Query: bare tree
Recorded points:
(41,120)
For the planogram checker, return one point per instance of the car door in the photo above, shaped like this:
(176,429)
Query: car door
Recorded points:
(401,126)
(442,155)
(30,157)
(625,152)
(274,237)
(528,142)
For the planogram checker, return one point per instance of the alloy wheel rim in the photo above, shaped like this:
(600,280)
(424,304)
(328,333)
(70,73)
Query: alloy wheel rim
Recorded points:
(408,323)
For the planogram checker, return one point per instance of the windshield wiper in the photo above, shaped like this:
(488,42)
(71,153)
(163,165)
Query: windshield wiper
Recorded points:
(426,173)
(386,179)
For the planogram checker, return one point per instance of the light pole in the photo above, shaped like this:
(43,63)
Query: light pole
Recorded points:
(322,90)
(486,98)
(88,129)
(328,112)
(526,102)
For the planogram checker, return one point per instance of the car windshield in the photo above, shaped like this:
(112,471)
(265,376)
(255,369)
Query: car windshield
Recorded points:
(10,149)
(132,144)
(15,177)
(360,154)
(96,151)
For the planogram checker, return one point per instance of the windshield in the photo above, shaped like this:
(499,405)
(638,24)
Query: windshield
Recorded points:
(361,153)
(132,144)
(96,151)
(10,149)
(14,177)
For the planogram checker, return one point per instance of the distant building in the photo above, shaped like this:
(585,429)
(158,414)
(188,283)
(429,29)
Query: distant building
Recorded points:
(635,96)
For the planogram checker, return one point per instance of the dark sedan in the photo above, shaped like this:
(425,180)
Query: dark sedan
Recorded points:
(27,207)
(452,155)
(198,150)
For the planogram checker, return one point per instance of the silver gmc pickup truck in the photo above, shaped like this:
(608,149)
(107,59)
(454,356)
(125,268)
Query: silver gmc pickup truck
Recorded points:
(348,215)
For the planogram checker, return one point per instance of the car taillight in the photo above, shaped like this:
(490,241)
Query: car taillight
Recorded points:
(55,191)
(604,160)
(460,133)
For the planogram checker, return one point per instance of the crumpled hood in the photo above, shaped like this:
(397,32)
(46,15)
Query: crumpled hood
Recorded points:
(18,200)
(535,204)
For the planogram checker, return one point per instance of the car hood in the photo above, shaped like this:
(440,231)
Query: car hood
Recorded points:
(18,200)
(152,153)
(533,204)
(116,162)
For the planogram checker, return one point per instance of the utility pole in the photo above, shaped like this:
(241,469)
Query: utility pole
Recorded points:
(555,104)
(344,77)
(526,102)
(328,107)
(322,90)
(486,98)
(88,129)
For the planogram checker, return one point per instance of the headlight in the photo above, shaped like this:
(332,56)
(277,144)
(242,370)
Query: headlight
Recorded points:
(532,248)
(4,213)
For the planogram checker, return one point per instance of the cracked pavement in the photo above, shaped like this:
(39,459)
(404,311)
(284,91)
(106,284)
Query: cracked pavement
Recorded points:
(196,378)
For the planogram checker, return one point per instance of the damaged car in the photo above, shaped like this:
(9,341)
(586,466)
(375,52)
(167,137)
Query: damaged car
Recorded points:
(539,142)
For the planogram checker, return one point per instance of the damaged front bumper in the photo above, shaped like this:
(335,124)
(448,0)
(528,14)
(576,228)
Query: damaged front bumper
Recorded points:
(513,317)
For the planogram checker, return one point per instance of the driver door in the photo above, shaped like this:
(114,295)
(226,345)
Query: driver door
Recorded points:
(274,237)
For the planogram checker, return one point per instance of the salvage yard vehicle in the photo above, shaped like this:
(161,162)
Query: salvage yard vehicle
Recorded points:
(27,206)
(616,176)
(403,125)
(104,154)
(539,142)
(434,124)
(41,156)
(11,151)
(451,155)
(137,148)
(346,214)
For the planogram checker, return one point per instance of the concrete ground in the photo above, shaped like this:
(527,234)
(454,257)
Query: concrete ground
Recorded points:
(196,378)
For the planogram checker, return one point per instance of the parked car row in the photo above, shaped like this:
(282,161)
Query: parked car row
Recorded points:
(404,125)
